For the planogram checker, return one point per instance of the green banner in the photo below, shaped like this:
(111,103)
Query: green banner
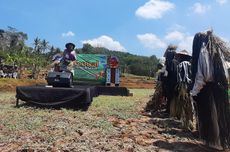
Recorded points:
(90,67)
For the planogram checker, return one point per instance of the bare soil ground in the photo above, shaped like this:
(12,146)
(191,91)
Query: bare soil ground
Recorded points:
(110,124)
(126,81)
(137,82)
(7,84)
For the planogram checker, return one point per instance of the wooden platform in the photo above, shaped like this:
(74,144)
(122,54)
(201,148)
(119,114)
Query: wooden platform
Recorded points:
(50,96)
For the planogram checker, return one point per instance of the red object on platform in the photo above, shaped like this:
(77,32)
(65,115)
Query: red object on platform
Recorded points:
(113,62)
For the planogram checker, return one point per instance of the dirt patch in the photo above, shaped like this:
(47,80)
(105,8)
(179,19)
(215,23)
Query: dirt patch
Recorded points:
(129,82)
(157,134)
(7,84)
(137,82)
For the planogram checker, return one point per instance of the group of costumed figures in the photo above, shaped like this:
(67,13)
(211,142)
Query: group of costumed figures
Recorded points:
(194,88)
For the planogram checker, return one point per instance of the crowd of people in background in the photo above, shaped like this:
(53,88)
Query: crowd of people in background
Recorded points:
(194,88)
(64,62)
(8,71)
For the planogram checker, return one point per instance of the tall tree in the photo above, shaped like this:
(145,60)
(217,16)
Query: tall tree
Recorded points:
(11,38)
(39,58)
(87,48)
(19,59)
(37,47)
(44,45)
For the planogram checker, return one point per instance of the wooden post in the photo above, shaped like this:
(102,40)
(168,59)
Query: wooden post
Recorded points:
(17,102)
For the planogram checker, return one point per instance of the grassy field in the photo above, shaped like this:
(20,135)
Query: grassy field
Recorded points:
(31,128)
(111,123)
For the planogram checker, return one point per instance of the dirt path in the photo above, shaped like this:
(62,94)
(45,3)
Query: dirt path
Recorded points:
(156,134)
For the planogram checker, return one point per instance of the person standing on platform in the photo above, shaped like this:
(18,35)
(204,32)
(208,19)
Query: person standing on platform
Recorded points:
(69,57)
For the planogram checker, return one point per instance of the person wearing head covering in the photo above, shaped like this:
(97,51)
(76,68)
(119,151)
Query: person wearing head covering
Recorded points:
(210,89)
(68,58)
(181,105)
(69,53)
(171,79)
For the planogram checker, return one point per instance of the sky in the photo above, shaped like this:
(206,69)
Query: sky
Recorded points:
(141,27)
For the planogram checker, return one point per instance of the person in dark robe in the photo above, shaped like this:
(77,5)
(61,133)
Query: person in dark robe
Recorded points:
(210,87)
(171,78)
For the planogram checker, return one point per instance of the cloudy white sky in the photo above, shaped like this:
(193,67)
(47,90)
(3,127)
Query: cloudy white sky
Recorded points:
(143,27)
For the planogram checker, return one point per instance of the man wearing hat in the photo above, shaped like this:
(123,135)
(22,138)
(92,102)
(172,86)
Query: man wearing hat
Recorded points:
(68,56)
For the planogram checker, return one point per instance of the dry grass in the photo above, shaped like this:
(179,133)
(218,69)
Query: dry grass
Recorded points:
(7,84)
(65,129)
(137,82)
(129,81)
(112,123)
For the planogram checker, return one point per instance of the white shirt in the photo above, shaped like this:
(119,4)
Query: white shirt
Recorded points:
(204,71)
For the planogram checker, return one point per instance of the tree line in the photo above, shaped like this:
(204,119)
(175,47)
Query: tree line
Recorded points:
(14,51)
